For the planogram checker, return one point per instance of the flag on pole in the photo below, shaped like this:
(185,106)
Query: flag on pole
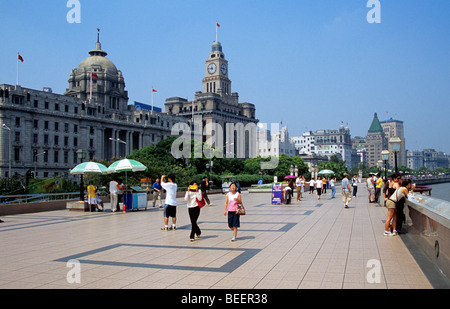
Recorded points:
(217,27)
(154,90)
(19,58)
(94,75)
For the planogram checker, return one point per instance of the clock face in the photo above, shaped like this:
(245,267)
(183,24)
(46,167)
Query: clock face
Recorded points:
(212,68)
(223,69)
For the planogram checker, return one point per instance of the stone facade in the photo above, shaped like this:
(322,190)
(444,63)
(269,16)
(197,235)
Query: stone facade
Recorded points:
(223,121)
(46,129)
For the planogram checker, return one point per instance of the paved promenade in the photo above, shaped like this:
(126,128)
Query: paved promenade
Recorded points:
(312,244)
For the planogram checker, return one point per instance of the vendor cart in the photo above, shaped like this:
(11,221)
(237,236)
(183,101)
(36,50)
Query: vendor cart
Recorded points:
(135,198)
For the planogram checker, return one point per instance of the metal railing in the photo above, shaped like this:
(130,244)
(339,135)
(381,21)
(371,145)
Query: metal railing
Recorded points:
(36,198)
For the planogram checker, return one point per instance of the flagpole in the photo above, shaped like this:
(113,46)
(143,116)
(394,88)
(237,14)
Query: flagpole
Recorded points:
(216,32)
(90,91)
(152,101)
(17,80)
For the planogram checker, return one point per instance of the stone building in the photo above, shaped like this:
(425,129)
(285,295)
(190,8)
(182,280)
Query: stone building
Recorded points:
(42,131)
(394,128)
(326,143)
(216,112)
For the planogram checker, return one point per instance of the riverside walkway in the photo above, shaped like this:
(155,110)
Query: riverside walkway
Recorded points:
(312,244)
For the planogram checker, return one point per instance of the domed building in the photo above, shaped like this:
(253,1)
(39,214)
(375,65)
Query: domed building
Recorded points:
(98,82)
(45,130)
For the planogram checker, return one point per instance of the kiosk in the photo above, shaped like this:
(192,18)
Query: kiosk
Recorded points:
(135,198)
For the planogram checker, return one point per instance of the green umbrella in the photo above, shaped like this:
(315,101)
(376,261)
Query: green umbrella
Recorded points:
(326,172)
(89,168)
(126,165)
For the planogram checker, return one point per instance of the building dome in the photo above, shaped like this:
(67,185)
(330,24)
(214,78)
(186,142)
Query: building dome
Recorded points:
(99,62)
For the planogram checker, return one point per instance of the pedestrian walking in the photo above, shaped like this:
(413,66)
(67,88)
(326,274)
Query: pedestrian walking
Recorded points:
(319,187)
(331,181)
(370,184)
(298,187)
(232,200)
(346,190)
(170,207)
(193,198)
(157,192)
(324,185)
(204,186)
(355,184)
(311,186)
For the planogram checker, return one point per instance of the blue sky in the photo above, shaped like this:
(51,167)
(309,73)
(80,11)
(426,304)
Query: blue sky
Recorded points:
(310,64)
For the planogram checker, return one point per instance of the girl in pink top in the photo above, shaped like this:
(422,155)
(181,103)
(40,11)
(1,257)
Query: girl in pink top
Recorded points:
(232,200)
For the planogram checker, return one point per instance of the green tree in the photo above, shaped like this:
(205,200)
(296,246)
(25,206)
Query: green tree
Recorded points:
(336,165)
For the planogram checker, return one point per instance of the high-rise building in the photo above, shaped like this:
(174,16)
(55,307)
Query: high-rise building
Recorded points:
(394,128)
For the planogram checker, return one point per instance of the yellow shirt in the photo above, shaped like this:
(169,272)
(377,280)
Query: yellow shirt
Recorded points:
(91,191)
(379,182)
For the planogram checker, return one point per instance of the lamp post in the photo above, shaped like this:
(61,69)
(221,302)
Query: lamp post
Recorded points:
(118,140)
(4,126)
(385,158)
(35,162)
(395,144)
(81,154)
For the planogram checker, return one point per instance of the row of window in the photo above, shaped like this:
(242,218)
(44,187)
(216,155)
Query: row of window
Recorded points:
(56,126)
(54,154)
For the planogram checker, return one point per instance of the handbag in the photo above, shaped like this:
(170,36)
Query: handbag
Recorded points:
(201,202)
(240,210)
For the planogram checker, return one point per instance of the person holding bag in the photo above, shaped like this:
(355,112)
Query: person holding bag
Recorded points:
(391,202)
(194,201)
(232,202)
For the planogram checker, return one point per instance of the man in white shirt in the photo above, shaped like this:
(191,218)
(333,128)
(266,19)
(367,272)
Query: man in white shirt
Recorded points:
(311,186)
(170,208)
(114,198)
(346,190)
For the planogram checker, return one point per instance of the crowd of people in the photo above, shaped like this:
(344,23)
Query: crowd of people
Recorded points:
(395,192)
(318,185)
(196,197)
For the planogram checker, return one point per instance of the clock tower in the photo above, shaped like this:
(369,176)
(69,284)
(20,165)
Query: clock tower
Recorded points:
(216,72)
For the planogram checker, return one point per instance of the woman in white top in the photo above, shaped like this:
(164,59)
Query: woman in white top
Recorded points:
(311,186)
(399,193)
(192,197)
(319,187)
